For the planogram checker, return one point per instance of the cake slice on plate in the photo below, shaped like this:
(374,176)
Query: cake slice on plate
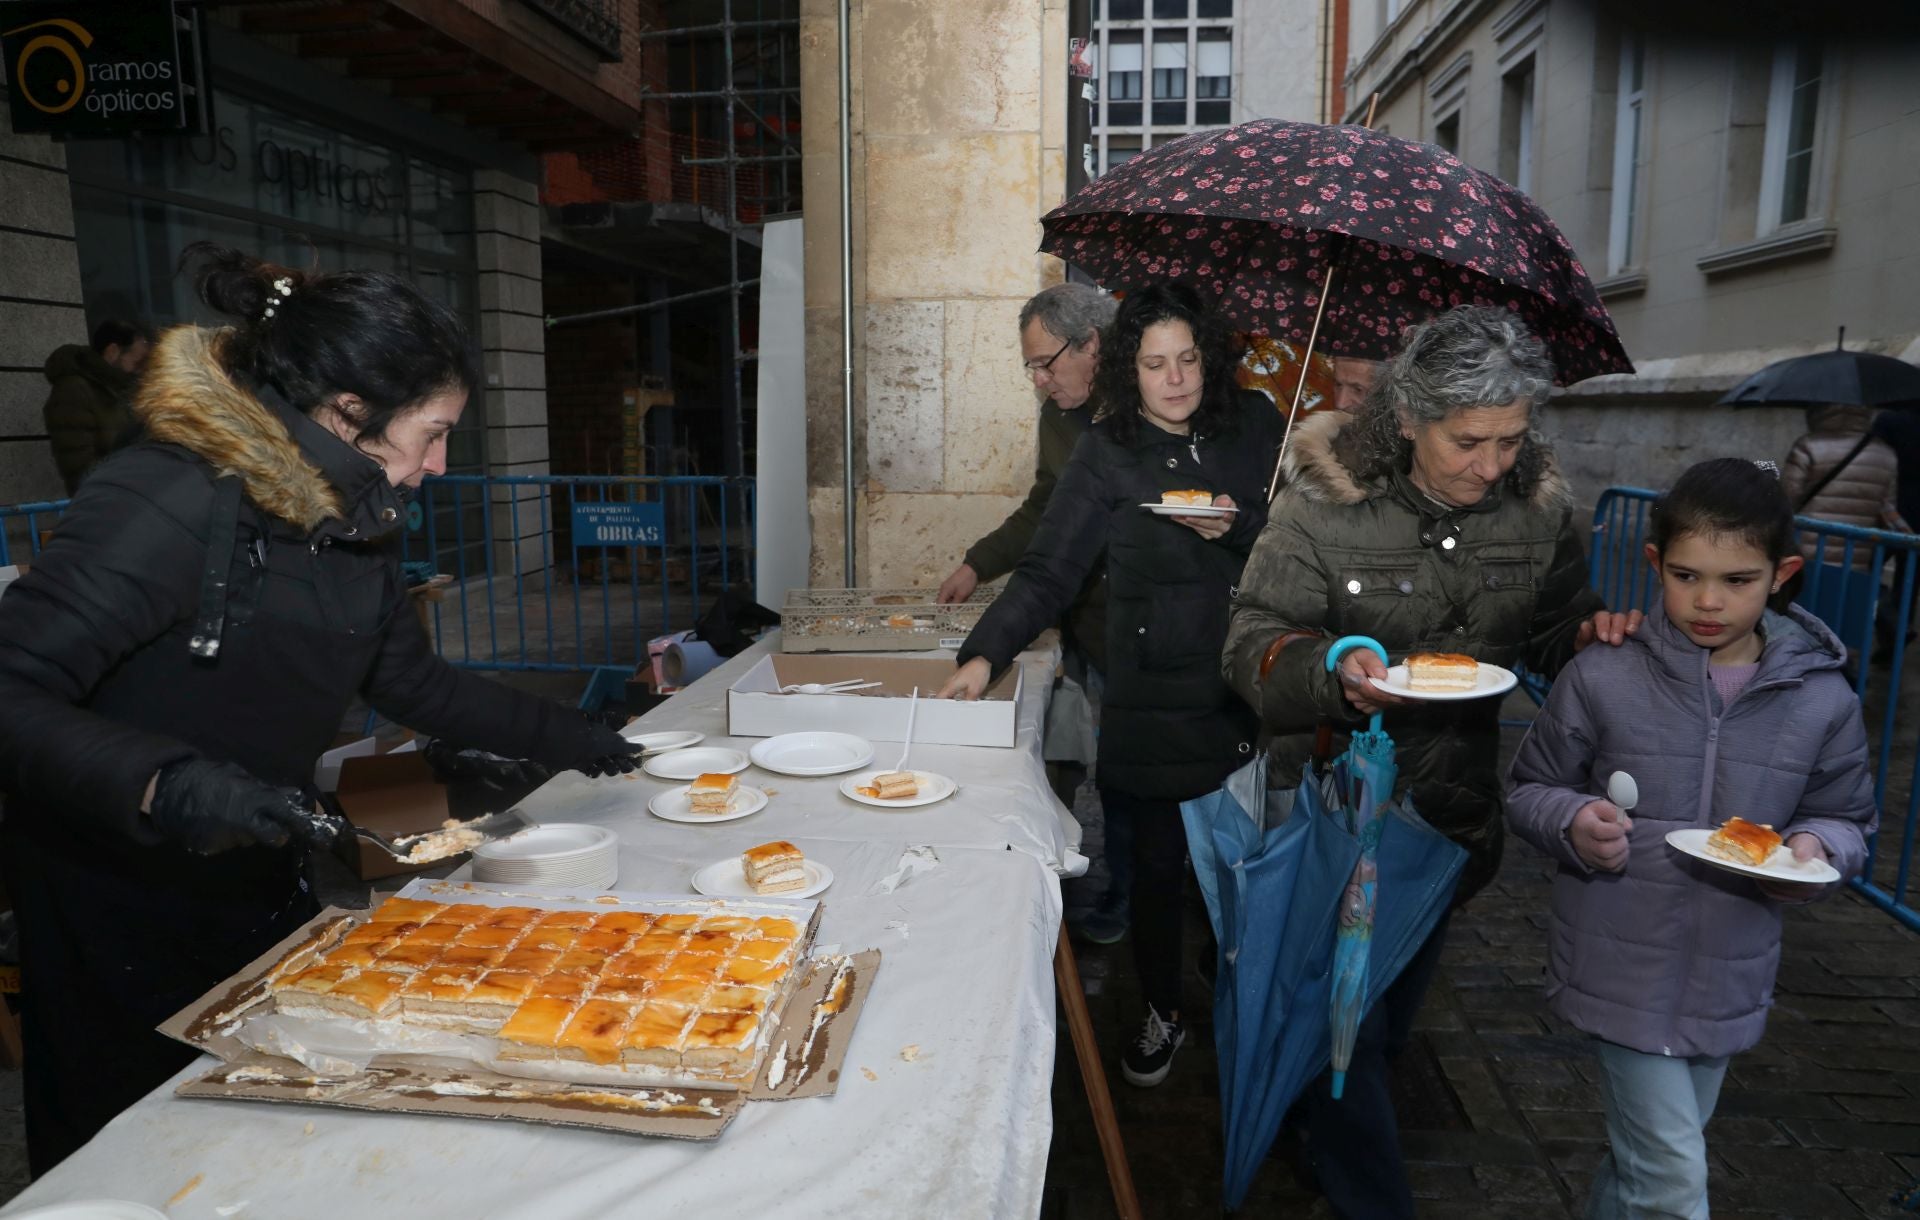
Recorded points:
(774,868)
(711,794)
(896,785)
(1743,842)
(1442,671)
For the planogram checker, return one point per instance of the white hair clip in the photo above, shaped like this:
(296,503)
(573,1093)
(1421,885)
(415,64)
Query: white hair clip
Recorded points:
(282,289)
(1770,467)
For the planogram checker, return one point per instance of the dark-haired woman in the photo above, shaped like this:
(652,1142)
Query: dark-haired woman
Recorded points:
(186,646)
(1171,729)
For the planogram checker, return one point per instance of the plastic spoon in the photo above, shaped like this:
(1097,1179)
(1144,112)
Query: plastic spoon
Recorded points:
(1623,792)
(826,688)
(913,702)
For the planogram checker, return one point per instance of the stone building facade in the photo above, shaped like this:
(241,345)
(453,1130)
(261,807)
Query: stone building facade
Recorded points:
(1738,196)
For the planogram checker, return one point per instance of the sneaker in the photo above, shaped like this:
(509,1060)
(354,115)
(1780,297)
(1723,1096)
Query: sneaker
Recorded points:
(1147,1062)
(1102,926)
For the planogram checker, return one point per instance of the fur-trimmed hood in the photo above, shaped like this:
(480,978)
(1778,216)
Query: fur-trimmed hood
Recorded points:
(1323,459)
(187,398)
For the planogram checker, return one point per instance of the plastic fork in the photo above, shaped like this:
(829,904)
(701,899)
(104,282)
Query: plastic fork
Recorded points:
(912,704)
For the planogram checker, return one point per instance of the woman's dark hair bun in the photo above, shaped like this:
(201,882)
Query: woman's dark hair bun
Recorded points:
(368,334)
(233,283)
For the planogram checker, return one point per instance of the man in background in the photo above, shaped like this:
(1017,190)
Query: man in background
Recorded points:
(1060,347)
(88,412)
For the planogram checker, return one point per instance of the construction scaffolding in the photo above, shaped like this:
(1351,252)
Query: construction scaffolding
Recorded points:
(729,146)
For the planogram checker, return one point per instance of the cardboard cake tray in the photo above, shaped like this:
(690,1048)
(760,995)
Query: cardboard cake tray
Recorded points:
(804,1057)
(877,620)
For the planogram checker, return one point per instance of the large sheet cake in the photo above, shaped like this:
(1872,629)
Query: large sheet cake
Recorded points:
(681,994)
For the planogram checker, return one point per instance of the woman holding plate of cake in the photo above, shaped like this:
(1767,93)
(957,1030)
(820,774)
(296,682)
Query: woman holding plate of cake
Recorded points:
(1435,521)
(190,640)
(1172,420)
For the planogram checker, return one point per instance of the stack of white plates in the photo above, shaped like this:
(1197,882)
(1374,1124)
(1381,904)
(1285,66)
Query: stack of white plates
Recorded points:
(567,854)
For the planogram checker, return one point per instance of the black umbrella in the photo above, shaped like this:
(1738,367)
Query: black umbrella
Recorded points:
(1855,379)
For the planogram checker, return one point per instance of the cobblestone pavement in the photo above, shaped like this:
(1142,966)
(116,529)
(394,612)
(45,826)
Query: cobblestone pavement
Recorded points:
(1500,1115)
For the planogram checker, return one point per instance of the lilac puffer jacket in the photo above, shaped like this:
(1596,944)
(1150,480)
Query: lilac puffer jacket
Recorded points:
(1674,956)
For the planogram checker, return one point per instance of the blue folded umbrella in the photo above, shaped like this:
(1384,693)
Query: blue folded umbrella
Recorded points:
(1273,867)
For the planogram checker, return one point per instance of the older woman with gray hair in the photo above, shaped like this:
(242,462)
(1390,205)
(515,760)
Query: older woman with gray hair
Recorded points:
(1433,520)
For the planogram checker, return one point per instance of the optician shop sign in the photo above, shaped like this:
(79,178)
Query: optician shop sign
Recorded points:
(97,69)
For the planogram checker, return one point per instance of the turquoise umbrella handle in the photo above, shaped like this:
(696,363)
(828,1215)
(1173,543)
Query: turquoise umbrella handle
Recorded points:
(1346,644)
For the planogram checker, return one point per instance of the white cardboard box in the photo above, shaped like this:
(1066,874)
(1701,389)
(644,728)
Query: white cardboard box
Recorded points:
(756,708)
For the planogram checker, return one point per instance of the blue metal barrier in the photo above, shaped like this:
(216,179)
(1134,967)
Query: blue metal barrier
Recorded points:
(27,521)
(522,578)
(1845,589)
(521,591)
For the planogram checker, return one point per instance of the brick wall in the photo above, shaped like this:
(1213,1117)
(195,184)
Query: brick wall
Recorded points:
(40,306)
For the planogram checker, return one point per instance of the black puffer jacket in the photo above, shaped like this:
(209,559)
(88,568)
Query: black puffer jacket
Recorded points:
(1170,728)
(223,589)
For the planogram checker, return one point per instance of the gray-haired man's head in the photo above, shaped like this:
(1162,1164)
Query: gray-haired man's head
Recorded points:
(1060,340)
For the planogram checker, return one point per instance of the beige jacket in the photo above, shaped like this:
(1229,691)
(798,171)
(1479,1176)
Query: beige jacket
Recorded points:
(1862,494)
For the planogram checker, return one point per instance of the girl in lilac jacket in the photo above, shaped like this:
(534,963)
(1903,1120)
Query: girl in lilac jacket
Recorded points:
(1715,707)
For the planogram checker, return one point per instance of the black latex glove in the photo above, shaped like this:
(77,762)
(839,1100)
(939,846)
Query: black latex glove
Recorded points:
(612,754)
(451,762)
(209,807)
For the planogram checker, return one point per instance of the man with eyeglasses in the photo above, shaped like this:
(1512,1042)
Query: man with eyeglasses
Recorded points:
(1060,346)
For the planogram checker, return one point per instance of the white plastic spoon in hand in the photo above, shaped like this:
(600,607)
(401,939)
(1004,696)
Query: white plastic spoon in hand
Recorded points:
(1622,791)
(912,703)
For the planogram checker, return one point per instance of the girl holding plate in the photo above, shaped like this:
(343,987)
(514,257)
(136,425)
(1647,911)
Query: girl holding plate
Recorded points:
(1717,707)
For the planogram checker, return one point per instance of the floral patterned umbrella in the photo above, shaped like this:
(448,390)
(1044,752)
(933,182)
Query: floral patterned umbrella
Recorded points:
(1264,212)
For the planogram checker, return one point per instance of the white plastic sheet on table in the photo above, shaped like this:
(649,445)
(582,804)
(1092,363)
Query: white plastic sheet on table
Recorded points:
(943,1108)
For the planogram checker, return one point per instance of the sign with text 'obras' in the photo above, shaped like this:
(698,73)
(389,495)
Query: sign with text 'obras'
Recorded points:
(620,523)
(95,69)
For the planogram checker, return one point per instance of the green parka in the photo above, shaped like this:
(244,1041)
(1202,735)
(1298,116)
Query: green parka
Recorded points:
(1342,555)
(87,412)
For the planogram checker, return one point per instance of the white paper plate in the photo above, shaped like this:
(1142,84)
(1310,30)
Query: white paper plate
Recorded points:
(812,753)
(550,843)
(933,787)
(1188,510)
(671,739)
(91,1209)
(1490,680)
(602,876)
(1810,872)
(674,806)
(694,763)
(728,879)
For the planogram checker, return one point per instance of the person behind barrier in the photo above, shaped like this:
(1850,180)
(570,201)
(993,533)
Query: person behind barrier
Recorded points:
(87,411)
(1172,419)
(186,646)
(1840,472)
(1715,707)
(1434,520)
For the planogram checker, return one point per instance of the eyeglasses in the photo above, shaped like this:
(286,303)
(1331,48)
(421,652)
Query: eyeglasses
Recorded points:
(1047,364)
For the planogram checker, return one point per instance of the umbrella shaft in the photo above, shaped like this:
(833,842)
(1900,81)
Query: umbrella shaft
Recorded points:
(1306,362)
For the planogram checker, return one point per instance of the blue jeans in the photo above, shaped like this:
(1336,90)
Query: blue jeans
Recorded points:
(1657,1112)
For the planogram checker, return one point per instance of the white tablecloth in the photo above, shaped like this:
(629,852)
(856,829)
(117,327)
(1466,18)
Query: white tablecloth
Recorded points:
(959,1129)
